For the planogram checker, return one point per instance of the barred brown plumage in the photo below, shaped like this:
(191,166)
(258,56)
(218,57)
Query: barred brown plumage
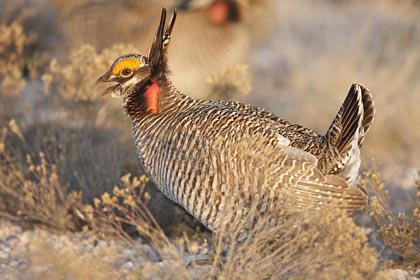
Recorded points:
(338,151)
(218,159)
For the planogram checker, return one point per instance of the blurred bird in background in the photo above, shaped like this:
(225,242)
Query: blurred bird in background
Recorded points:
(212,34)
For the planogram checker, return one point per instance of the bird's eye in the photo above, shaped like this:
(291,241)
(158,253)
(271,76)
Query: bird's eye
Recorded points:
(126,72)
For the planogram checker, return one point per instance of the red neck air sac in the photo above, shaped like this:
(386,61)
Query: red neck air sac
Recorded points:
(151,97)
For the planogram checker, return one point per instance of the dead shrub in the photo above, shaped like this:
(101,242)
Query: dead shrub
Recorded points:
(30,185)
(323,244)
(70,85)
(12,43)
(400,232)
(54,261)
(124,212)
(230,81)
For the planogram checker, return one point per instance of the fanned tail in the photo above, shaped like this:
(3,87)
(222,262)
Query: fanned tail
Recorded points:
(353,120)
(369,113)
(347,131)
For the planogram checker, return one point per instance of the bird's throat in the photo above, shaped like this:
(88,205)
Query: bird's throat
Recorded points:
(151,97)
(142,101)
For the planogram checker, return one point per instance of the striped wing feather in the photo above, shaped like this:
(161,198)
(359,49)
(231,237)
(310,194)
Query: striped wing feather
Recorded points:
(312,189)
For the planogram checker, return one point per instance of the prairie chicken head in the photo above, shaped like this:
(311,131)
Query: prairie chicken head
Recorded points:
(136,73)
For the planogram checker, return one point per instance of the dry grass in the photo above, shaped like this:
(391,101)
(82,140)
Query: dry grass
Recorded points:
(126,208)
(68,149)
(124,214)
(74,79)
(324,244)
(69,87)
(303,246)
(12,42)
(48,261)
(399,231)
(34,192)
(230,81)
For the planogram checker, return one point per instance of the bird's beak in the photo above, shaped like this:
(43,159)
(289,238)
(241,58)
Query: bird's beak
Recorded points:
(115,90)
(103,79)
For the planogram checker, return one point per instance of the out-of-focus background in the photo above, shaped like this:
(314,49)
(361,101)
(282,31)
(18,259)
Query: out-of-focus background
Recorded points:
(297,59)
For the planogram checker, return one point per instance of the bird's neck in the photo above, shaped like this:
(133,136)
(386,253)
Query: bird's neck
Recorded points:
(149,99)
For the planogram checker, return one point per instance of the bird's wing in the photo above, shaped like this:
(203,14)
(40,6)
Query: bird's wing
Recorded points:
(292,172)
(312,189)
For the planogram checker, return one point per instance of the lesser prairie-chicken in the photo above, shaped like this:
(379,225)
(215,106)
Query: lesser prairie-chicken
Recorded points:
(219,158)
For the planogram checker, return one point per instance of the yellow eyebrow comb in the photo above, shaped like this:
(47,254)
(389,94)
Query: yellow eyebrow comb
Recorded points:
(126,63)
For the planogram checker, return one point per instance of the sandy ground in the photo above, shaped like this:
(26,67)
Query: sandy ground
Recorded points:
(42,254)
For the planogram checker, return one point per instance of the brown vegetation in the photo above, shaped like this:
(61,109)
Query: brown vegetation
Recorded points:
(399,231)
